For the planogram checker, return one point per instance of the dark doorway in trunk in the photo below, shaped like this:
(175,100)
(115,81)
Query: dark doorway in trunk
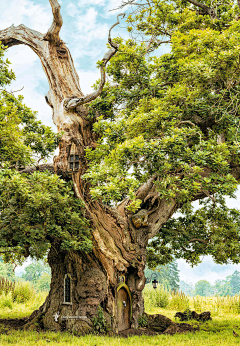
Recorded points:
(124,307)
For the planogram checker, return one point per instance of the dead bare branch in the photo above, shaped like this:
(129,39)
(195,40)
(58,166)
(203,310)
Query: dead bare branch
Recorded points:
(193,240)
(53,33)
(73,102)
(15,35)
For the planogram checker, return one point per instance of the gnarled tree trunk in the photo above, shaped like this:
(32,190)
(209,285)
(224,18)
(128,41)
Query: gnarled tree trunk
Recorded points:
(112,276)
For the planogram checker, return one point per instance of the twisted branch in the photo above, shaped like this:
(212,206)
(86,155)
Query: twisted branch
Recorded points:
(206,10)
(15,35)
(71,103)
(53,33)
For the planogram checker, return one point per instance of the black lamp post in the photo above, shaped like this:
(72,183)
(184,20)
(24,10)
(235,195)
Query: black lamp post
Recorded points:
(154,282)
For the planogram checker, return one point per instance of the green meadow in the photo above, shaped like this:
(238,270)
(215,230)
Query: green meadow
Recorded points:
(224,310)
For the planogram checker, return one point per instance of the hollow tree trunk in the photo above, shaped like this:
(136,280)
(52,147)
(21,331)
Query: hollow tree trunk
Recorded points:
(117,261)
(112,275)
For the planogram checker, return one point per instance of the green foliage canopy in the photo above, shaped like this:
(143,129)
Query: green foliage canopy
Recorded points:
(36,209)
(175,116)
(40,208)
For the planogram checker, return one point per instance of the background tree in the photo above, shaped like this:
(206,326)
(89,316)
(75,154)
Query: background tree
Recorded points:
(43,283)
(35,270)
(162,133)
(7,270)
(160,274)
(203,288)
(173,277)
(234,281)
(186,288)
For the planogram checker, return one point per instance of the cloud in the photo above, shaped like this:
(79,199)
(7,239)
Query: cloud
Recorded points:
(29,74)
(24,62)
(91,2)
(207,270)
(72,10)
(17,12)
(89,28)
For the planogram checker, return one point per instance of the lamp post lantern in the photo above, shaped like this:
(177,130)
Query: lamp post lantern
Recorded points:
(154,282)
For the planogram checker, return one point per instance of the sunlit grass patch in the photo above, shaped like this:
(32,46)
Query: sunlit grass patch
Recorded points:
(203,338)
(19,310)
(219,331)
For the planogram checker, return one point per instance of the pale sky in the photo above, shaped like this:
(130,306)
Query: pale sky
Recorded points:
(85,30)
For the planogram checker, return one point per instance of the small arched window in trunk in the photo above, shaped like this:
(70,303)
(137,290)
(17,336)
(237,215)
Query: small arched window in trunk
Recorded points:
(73,159)
(67,289)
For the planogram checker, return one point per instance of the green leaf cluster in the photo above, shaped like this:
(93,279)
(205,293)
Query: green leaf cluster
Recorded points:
(213,229)
(37,210)
(175,116)
(168,113)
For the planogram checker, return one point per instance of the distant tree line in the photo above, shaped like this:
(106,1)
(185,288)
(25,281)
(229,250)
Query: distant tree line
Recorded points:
(38,273)
(168,277)
(230,286)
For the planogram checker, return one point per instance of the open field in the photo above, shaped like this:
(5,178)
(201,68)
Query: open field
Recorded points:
(216,332)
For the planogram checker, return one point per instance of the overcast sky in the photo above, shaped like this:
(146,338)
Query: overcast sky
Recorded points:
(85,30)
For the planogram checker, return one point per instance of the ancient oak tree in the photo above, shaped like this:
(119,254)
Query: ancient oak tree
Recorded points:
(161,133)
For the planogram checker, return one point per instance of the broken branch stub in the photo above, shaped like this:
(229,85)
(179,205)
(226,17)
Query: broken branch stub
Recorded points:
(53,33)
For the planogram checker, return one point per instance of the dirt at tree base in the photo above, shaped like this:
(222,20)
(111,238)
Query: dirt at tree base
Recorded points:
(7,325)
(173,329)
(11,324)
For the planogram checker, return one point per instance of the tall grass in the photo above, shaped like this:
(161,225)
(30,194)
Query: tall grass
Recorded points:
(178,301)
(158,297)
(6,301)
(19,299)
(217,305)
(6,286)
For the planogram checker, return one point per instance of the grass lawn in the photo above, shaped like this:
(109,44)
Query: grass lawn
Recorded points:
(216,332)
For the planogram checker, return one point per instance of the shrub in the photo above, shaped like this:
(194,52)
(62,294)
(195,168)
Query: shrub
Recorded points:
(6,300)
(99,322)
(158,297)
(143,321)
(23,292)
(161,297)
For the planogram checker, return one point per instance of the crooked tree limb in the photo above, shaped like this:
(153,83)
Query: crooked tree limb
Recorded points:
(15,35)
(207,10)
(53,33)
(113,45)
(71,103)
(193,240)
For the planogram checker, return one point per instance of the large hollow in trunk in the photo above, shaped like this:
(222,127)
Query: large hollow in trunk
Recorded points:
(80,285)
